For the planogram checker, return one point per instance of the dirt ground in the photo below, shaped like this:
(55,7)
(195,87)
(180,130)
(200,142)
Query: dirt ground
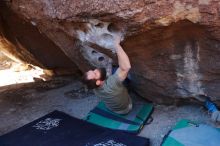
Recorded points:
(23,103)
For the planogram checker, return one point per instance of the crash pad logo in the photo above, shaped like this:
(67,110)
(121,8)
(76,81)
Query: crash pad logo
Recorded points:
(47,124)
(108,143)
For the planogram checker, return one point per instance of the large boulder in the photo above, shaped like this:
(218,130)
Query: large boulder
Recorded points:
(173,45)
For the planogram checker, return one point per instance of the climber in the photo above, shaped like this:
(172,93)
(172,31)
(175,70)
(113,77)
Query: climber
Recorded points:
(210,106)
(111,89)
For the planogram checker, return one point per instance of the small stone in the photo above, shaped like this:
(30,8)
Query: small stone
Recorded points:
(23,7)
(19,103)
(12,109)
(175,56)
(33,23)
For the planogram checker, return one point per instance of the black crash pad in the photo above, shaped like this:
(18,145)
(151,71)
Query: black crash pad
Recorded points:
(60,129)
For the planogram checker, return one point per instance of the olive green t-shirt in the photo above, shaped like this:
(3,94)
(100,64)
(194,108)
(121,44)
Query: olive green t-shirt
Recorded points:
(114,94)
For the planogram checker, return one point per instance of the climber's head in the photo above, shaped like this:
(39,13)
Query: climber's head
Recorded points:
(94,78)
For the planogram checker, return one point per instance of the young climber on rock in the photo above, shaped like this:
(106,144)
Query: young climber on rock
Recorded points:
(111,89)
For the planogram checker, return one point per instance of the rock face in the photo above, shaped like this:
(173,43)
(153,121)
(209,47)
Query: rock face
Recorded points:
(173,45)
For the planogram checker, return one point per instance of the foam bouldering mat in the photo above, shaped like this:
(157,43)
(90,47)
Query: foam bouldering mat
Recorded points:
(189,133)
(132,122)
(60,129)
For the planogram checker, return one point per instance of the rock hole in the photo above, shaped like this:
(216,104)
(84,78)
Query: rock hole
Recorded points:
(100,25)
(101,58)
(113,28)
(94,52)
(107,37)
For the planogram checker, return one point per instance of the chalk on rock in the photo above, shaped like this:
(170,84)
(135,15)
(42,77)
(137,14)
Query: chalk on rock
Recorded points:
(101,33)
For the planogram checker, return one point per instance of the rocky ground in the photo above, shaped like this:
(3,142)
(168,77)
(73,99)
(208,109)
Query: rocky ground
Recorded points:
(23,103)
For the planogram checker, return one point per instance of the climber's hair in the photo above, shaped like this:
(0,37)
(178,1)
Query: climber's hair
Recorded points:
(102,73)
(91,84)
